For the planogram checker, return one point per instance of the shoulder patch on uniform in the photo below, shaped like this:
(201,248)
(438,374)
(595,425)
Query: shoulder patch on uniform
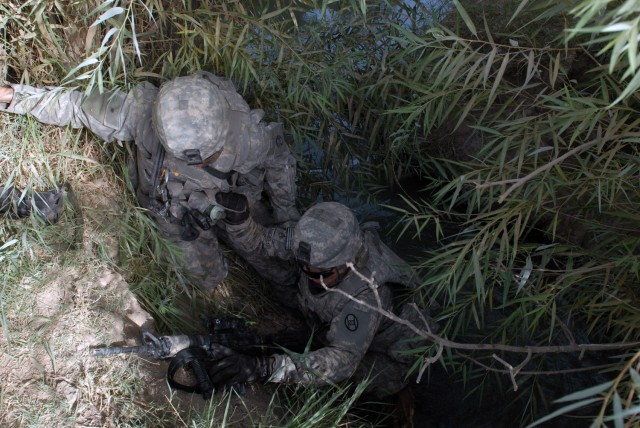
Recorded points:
(353,325)
(351,322)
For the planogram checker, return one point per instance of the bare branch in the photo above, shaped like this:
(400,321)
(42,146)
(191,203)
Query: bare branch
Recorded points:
(537,372)
(428,361)
(556,161)
(511,371)
(495,183)
(522,364)
(427,335)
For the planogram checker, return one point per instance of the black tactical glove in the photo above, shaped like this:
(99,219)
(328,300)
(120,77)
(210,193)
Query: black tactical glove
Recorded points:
(236,369)
(47,205)
(236,206)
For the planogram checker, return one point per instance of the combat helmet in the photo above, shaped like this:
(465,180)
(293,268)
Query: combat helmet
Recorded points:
(328,235)
(191,118)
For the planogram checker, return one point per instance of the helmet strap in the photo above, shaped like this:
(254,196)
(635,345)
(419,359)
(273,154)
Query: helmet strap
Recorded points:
(303,253)
(192,156)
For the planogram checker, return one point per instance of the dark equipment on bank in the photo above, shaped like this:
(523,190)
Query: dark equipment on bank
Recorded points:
(47,206)
(20,204)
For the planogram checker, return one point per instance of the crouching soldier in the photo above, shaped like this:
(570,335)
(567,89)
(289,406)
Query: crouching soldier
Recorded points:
(357,341)
(193,137)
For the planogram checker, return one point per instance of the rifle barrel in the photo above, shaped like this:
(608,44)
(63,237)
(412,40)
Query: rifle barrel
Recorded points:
(105,352)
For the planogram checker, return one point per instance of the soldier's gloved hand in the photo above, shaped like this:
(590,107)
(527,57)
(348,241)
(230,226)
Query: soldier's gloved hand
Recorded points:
(236,369)
(47,205)
(235,205)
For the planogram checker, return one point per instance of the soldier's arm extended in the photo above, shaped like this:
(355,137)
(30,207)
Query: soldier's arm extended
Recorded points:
(250,237)
(112,115)
(349,339)
(280,177)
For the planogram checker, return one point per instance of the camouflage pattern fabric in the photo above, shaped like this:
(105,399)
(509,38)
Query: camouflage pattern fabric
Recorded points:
(255,158)
(331,234)
(192,113)
(358,342)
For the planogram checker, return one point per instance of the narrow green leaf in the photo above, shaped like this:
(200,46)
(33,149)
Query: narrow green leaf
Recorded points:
(531,67)
(540,150)
(470,104)
(633,46)
(554,68)
(86,62)
(465,17)
(8,244)
(496,82)
(589,392)
(636,378)
(521,6)
(487,69)
(114,11)
(525,273)
(273,14)
(108,36)
(323,9)
(553,320)
(477,274)
(618,420)
(486,30)
(562,411)
(363,8)
(100,80)
(134,37)
(632,411)
(617,28)
(631,87)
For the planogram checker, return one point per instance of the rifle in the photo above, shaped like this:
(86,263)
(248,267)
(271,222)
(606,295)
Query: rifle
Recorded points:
(227,335)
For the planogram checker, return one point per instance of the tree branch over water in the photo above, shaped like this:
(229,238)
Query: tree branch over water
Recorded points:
(427,334)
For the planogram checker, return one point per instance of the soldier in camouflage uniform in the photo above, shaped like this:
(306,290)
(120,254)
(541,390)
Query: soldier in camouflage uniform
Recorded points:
(194,137)
(357,341)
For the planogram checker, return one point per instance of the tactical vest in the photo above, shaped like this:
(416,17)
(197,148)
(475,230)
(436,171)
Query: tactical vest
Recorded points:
(171,188)
(322,307)
(181,188)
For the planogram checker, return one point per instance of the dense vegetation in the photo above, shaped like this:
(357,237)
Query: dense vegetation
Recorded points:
(519,118)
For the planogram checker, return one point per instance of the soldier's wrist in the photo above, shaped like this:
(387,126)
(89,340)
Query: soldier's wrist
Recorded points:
(6,94)
(264,368)
(236,218)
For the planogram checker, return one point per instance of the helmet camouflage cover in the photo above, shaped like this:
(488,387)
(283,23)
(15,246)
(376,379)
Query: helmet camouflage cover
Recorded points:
(191,118)
(327,235)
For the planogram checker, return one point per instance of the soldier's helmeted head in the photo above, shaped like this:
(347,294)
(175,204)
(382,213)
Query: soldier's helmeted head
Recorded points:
(191,118)
(326,238)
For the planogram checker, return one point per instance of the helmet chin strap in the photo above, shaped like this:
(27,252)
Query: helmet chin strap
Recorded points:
(192,156)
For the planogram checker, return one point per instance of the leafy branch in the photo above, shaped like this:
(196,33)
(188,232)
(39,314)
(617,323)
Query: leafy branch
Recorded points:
(427,334)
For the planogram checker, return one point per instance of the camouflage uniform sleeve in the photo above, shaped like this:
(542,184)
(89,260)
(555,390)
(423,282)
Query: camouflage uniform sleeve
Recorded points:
(280,176)
(111,115)
(349,338)
(250,237)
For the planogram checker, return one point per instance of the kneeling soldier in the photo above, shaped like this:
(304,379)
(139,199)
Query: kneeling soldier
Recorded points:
(357,341)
